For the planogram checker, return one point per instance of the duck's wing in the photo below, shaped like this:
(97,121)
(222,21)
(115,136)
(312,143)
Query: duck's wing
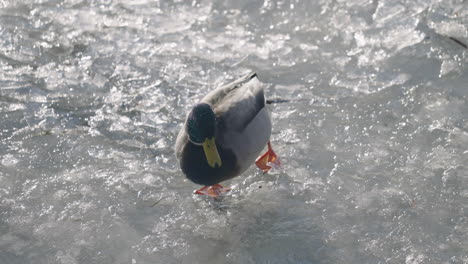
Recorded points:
(215,97)
(238,103)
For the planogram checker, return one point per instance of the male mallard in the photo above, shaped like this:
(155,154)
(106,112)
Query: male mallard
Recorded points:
(224,134)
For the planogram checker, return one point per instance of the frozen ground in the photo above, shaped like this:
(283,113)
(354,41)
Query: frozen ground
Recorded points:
(92,94)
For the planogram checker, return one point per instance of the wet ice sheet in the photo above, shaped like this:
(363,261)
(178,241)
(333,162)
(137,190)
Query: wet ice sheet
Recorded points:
(92,95)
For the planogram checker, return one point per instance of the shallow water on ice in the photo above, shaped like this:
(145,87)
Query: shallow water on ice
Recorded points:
(374,143)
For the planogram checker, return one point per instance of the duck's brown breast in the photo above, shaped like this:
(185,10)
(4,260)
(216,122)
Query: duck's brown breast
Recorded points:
(195,167)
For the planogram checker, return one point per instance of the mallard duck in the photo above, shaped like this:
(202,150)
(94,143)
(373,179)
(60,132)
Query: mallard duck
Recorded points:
(224,134)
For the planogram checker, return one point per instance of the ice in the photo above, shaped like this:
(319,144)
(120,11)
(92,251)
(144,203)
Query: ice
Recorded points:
(373,136)
(450,28)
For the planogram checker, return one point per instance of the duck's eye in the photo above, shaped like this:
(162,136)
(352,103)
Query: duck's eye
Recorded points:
(194,134)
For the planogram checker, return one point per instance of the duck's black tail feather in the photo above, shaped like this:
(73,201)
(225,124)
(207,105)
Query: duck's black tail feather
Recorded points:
(459,42)
(281,100)
(277,101)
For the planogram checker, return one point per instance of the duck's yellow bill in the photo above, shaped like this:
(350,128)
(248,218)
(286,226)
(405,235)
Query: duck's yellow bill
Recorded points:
(211,153)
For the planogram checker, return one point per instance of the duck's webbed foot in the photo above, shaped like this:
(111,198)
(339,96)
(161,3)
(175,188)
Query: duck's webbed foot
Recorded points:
(268,160)
(213,190)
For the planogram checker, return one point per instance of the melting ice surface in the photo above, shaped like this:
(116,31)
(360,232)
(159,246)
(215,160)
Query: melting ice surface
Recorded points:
(374,145)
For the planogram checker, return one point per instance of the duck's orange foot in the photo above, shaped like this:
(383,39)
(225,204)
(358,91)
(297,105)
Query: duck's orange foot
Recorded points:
(268,160)
(213,190)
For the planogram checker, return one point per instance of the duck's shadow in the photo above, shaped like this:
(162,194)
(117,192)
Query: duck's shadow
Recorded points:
(265,218)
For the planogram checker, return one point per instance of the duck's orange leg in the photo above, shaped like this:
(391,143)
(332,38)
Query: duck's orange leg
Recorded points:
(265,161)
(213,190)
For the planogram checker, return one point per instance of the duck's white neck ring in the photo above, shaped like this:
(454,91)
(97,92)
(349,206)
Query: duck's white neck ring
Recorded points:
(195,143)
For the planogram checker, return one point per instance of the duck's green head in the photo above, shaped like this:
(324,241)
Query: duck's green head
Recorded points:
(201,129)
